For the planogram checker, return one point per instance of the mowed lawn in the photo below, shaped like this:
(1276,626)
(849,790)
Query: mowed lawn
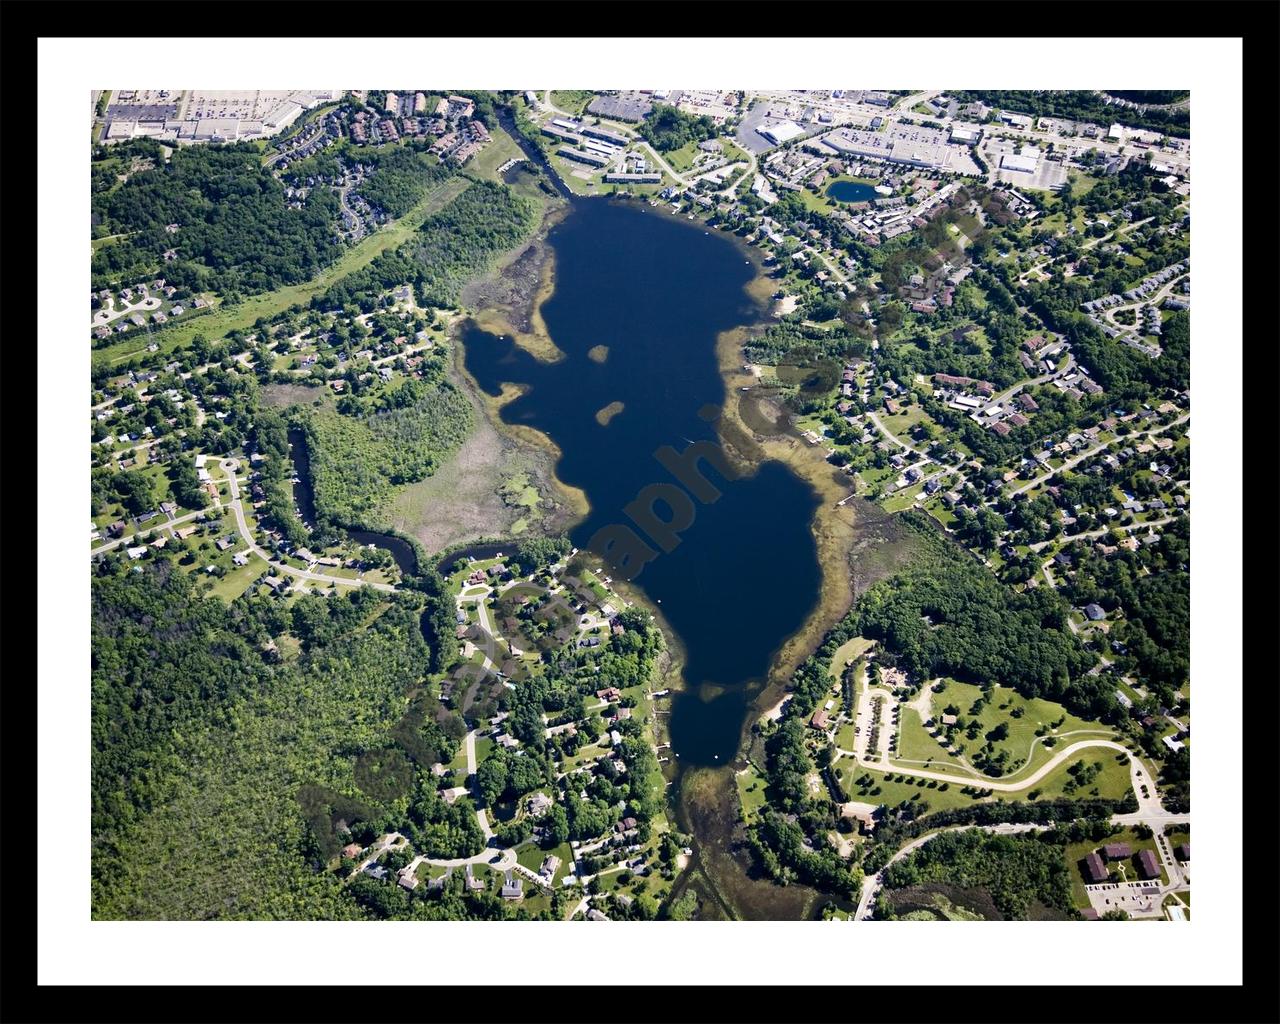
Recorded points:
(1023,718)
(847,652)
(1111,783)
(902,423)
(916,745)
(501,148)
(750,791)
(243,316)
(940,796)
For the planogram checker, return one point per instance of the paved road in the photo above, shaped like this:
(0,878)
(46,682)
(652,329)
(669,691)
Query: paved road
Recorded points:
(168,524)
(679,178)
(894,437)
(230,466)
(1040,545)
(639,143)
(978,780)
(500,860)
(1072,462)
(471,753)
(943,469)
(752,166)
(1044,378)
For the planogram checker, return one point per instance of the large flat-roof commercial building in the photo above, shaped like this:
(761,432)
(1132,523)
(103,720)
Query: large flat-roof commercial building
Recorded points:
(1018,162)
(919,151)
(203,115)
(783,131)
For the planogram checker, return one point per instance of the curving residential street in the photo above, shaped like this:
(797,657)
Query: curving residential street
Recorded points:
(1076,460)
(230,466)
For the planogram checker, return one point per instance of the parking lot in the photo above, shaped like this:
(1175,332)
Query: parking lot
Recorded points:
(1048,175)
(1137,899)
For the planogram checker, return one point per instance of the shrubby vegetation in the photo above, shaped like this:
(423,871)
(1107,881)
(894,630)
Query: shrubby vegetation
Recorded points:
(1015,870)
(270,439)
(355,461)
(401,177)
(794,343)
(452,246)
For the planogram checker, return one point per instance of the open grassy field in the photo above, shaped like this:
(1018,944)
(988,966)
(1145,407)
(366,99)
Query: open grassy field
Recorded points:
(1023,718)
(901,424)
(847,652)
(881,791)
(238,580)
(750,791)
(902,499)
(243,315)
(1111,782)
(574,101)
(501,148)
(917,747)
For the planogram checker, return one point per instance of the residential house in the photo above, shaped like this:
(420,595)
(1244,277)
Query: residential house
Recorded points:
(1095,871)
(1148,866)
(512,888)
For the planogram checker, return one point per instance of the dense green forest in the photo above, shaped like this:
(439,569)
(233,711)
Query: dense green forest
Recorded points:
(667,128)
(357,460)
(1079,105)
(947,615)
(401,177)
(1152,586)
(1156,97)
(236,232)
(1017,871)
(202,739)
(220,771)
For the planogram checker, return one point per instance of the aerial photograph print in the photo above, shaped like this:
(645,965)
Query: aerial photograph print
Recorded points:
(735,504)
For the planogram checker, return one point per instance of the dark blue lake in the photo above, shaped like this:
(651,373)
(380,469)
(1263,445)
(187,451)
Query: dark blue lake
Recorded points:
(744,575)
(851,192)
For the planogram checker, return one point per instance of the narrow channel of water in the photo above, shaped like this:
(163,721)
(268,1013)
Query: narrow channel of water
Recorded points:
(304,497)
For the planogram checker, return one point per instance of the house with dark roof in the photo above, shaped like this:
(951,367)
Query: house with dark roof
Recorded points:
(1117,851)
(1148,866)
(1094,869)
(1182,851)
